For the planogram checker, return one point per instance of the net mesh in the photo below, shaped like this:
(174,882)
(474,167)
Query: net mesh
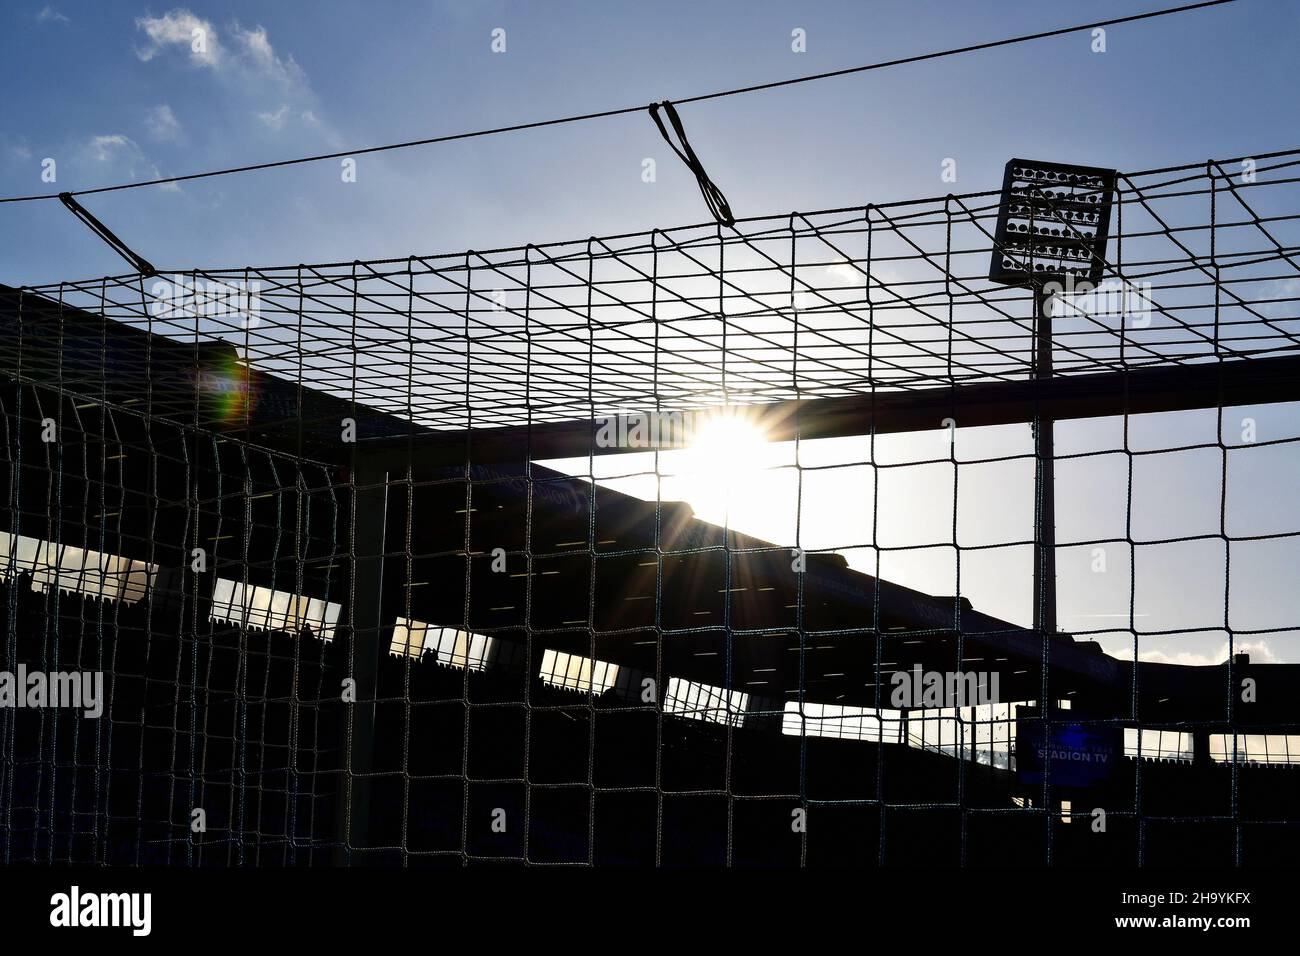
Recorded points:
(388,561)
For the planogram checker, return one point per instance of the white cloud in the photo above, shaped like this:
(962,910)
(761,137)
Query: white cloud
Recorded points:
(120,157)
(106,148)
(274,120)
(1261,652)
(1285,289)
(257,50)
(256,44)
(244,57)
(182,28)
(250,52)
(163,124)
(49,15)
(844,272)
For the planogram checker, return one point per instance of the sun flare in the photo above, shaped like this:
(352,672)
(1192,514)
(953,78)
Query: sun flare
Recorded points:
(724,464)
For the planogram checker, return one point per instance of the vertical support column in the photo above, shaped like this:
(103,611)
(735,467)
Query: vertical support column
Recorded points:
(366,551)
(1201,748)
(1044,434)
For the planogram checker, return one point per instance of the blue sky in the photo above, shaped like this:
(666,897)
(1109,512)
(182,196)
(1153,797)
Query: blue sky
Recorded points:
(113,92)
(87,86)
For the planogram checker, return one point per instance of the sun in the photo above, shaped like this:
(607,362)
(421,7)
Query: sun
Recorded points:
(724,464)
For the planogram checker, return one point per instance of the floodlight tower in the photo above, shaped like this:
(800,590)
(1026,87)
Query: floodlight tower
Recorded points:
(1053,222)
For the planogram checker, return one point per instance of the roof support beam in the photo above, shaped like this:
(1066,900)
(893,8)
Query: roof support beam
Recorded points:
(1094,395)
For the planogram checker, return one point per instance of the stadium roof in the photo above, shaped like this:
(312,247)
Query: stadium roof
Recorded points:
(742,633)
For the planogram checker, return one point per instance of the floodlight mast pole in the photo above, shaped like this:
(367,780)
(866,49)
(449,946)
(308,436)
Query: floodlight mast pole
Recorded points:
(1039,239)
(1045,520)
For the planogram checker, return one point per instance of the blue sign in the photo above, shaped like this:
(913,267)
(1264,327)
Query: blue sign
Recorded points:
(1077,755)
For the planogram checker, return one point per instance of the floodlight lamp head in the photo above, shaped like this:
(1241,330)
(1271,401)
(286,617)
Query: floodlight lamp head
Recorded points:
(1053,223)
